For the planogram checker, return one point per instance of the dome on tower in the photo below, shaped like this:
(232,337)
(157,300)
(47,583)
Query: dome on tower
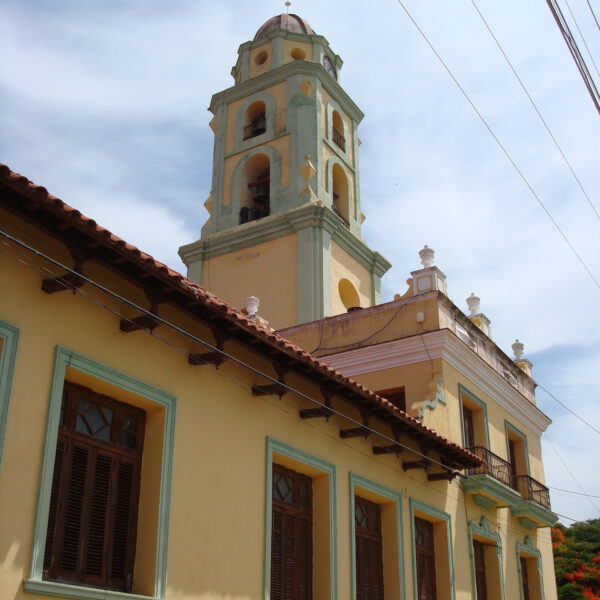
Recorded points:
(292,23)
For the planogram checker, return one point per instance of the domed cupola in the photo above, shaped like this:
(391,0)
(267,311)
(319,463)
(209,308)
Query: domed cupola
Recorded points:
(292,23)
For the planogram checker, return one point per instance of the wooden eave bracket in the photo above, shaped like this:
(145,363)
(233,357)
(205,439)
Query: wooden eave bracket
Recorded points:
(145,321)
(390,448)
(273,389)
(68,281)
(319,411)
(416,464)
(353,432)
(214,357)
(447,474)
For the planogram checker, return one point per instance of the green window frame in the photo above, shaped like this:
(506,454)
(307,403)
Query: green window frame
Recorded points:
(529,551)
(9,335)
(358,481)
(508,426)
(463,391)
(35,583)
(483,530)
(276,447)
(438,515)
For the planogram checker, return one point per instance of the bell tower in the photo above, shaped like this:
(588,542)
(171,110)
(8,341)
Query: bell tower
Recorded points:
(285,218)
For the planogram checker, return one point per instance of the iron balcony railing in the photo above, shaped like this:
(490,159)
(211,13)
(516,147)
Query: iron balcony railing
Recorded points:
(252,214)
(338,139)
(341,216)
(531,489)
(255,128)
(494,466)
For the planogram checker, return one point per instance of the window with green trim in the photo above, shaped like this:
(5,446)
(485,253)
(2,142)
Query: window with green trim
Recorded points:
(9,338)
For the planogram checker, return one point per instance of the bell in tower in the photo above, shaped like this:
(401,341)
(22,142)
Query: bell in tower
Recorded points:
(285,217)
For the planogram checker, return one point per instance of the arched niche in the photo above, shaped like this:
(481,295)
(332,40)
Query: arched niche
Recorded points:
(339,187)
(254,104)
(255,123)
(338,130)
(255,185)
(348,294)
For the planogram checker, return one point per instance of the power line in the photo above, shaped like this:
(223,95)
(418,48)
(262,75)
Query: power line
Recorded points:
(593,14)
(487,126)
(582,37)
(571,474)
(572,492)
(536,109)
(567,408)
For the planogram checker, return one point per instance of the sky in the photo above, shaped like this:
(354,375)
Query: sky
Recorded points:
(105,104)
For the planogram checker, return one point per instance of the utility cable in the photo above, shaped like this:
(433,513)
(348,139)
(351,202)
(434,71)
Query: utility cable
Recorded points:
(572,492)
(582,37)
(571,474)
(567,408)
(593,14)
(228,356)
(514,164)
(536,108)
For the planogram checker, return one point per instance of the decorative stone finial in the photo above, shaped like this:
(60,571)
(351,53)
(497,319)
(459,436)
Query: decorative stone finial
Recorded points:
(252,303)
(517,349)
(427,255)
(473,302)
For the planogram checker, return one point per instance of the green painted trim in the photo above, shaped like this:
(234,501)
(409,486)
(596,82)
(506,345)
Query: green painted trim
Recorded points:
(533,511)
(335,160)
(527,548)
(438,514)
(269,78)
(527,523)
(439,398)
(483,482)
(277,56)
(382,490)
(508,425)
(483,530)
(64,590)
(240,119)
(483,501)
(8,358)
(473,398)
(67,358)
(274,445)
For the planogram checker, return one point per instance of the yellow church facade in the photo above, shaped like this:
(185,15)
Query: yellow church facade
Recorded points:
(157,441)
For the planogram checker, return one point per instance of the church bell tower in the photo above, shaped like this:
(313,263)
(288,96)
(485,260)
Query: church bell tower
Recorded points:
(285,217)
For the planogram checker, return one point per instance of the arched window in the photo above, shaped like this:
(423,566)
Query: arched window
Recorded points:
(255,123)
(337,132)
(255,193)
(341,204)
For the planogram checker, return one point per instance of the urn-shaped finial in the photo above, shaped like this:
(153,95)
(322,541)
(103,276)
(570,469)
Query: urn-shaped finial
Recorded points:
(518,348)
(427,255)
(473,302)
(252,303)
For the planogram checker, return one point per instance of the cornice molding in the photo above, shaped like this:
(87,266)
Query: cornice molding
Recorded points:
(443,344)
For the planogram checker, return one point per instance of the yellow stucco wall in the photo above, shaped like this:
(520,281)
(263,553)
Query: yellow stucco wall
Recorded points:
(343,266)
(258,271)
(259,69)
(290,45)
(218,488)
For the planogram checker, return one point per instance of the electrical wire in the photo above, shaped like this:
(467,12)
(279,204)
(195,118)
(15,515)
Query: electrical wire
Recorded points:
(567,408)
(593,14)
(582,37)
(243,384)
(572,492)
(536,108)
(501,146)
(572,475)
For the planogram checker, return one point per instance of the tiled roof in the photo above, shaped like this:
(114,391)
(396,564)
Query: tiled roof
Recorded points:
(42,199)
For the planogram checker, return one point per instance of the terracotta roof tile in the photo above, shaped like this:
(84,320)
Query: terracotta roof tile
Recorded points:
(41,195)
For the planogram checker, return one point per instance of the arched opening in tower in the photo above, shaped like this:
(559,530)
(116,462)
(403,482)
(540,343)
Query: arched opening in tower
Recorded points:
(340,194)
(256,183)
(337,131)
(255,123)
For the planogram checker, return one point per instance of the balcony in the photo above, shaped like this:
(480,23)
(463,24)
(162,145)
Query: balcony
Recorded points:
(341,216)
(492,483)
(339,140)
(257,127)
(533,510)
(253,214)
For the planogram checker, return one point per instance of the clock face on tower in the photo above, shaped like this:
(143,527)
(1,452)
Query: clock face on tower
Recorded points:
(329,66)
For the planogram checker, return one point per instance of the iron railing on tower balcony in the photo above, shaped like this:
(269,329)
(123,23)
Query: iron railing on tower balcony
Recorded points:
(257,127)
(493,465)
(341,216)
(531,489)
(338,139)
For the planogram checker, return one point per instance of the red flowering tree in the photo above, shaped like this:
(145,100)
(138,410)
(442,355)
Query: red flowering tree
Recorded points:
(577,560)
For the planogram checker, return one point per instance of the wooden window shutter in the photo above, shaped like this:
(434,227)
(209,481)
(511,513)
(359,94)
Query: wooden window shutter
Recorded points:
(524,577)
(291,537)
(468,427)
(95,491)
(425,557)
(369,559)
(480,580)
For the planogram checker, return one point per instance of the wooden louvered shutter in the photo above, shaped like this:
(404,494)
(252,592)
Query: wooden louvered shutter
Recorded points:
(291,537)
(369,559)
(524,578)
(480,580)
(95,490)
(425,557)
